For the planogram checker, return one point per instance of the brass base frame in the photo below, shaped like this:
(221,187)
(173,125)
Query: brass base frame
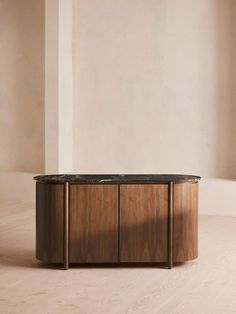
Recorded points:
(66,227)
(170,223)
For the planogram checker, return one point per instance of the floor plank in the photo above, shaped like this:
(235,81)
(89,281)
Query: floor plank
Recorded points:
(207,285)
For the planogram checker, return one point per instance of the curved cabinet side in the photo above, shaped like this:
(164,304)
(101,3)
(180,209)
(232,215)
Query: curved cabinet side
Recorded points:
(49,222)
(185,228)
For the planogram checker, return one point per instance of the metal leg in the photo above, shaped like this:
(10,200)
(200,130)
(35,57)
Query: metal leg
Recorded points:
(170,224)
(66,227)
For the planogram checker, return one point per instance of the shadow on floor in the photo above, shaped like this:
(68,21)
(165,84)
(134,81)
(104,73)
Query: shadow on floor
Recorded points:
(26,259)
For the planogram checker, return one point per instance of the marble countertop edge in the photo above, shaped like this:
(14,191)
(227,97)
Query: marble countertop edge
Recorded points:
(116,178)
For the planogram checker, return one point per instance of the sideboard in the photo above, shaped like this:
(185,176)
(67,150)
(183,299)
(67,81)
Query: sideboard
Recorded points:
(116,219)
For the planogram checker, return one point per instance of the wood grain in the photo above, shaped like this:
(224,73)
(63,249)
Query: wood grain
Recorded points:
(93,223)
(98,234)
(49,222)
(185,232)
(143,222)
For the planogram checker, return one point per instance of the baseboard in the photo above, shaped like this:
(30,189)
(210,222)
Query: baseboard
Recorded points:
(217,197)
(17,186)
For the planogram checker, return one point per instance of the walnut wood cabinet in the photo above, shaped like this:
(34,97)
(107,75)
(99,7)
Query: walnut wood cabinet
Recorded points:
(116,221)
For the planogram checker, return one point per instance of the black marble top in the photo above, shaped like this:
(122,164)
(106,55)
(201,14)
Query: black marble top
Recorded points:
(116,178)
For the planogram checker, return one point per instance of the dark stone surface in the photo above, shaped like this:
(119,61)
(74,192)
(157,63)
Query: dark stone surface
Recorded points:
(116,178)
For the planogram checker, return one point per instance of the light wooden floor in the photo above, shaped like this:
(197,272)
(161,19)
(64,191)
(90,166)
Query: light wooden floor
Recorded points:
(207,285)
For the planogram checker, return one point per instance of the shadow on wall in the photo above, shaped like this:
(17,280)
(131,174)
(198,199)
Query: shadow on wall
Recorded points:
(225,102)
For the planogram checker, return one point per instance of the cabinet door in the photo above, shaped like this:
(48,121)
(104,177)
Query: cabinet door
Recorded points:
(143,222)
(93,223)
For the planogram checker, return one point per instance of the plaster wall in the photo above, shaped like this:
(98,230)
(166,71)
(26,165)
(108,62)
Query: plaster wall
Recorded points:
(22,85)
(154,87)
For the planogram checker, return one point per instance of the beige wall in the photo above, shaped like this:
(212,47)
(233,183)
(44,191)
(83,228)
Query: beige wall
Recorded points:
(58,87)
(154,86)
(22,85)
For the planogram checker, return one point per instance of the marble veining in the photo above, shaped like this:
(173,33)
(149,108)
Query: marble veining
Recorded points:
(116,178)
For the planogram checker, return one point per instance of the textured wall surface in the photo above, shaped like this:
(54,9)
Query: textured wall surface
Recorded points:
(22,85)
(154,86)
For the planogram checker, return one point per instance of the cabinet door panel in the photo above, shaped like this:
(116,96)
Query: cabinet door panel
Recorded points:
(93,223)
(143,222)
(49,222)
